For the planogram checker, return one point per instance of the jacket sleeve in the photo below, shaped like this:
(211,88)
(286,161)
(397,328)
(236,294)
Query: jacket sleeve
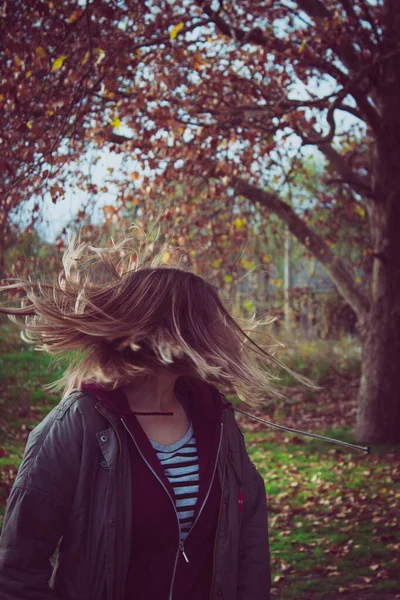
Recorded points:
(37,508)
(254,571)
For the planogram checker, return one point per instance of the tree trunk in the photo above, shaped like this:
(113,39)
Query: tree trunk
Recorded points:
(379,413)
(287,285)
(378,419)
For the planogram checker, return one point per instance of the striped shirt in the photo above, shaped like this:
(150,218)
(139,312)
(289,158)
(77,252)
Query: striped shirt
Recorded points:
(181,466)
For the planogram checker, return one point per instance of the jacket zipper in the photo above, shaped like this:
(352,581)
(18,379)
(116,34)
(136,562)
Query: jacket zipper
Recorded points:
(181,543)
(217,530)
(210,486)
(116,491)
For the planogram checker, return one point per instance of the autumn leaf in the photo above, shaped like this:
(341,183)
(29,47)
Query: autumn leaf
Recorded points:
(302,45)
(85,58)
(175,30)
(40,51)
(58,63)
(115,122)
(135,176)
(360,210)
(198,62)
(165,257)
(75,15)
(228,278)
(239,223)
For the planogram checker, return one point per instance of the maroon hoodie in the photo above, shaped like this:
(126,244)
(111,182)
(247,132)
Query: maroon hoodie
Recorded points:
(155,530)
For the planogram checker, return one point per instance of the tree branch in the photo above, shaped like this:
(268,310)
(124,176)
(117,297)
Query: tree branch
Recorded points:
(360,184)
(317,11)
(313,242)
(256,36)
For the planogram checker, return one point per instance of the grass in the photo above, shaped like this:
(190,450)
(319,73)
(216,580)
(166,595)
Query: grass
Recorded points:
(333,518)
(333,513)
(321,359)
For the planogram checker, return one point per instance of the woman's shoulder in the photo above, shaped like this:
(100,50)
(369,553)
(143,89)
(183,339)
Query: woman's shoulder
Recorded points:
(75,411)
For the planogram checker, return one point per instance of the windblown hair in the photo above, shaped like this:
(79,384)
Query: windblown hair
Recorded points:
(124,316)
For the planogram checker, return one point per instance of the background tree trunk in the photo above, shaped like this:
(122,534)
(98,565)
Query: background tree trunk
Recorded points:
(287,282)
(378,418)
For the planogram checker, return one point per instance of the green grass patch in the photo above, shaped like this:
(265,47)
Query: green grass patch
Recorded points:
(330,529)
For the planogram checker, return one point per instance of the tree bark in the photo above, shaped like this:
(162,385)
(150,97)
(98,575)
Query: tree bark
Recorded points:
(287,283)
(378,417)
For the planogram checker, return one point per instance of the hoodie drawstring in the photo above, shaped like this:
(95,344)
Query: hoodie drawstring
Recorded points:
(365,449)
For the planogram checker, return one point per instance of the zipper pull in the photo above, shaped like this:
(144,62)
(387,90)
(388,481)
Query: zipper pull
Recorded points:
(182,549)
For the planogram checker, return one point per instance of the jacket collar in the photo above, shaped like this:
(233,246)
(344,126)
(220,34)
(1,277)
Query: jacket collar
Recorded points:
(204,396)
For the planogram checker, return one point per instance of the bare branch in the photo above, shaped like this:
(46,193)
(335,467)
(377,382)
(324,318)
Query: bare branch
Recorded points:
(360,184)
(313,242)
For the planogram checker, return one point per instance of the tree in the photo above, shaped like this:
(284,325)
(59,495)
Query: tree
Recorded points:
(209,93)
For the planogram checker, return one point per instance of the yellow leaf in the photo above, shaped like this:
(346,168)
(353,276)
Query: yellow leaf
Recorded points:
(165,257)
(276,282)
(228,278)
(193,253)
(2,97)
(217,263)
(267,258)
(85,59)
(239,223)
(58,63)
(50,113)
(116,123)
(244,262)
(135,176)
(40,51)
(29,125)
(358,279)
(360,210)
(18,61)
(175,30)
(29,74)
(302,45)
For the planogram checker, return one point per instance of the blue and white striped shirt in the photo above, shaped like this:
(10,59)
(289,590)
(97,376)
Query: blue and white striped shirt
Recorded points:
(181,466)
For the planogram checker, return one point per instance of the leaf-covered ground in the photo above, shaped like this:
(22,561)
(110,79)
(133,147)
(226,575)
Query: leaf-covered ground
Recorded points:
(333,512)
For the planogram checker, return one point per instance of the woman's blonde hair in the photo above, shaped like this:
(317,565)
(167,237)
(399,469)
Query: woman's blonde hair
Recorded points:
(125,313)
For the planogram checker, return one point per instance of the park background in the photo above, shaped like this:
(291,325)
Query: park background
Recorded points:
(261,141)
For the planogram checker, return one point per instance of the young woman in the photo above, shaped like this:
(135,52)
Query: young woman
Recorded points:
(138,481)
